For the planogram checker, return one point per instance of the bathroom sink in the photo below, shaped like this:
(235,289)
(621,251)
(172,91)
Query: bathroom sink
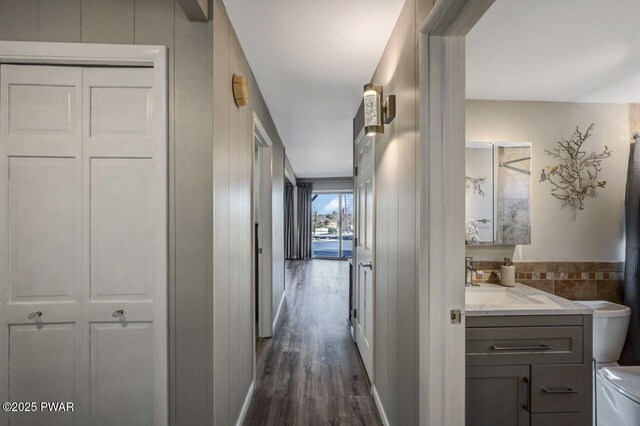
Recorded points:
(496,296)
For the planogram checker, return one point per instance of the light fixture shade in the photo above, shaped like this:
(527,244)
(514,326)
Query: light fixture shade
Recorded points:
(373,109)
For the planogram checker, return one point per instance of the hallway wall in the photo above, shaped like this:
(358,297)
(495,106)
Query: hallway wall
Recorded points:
(396,323)
(232,155)
(210,231)
(159,22)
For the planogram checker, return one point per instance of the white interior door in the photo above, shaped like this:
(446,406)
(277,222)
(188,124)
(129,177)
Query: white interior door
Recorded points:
(364,268)
(125,238)
(83,244)
(40,239)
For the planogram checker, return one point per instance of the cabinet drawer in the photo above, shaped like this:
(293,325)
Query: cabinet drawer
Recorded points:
(524,345)
(560,388)
(561,419)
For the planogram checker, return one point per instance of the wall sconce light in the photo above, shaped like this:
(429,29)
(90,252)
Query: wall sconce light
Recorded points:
(376,113)
(240,90)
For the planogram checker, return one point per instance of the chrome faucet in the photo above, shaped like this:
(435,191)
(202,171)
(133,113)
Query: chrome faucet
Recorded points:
(469,270)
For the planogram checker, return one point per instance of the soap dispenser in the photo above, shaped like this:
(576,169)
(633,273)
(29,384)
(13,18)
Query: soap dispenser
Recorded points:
(508,275)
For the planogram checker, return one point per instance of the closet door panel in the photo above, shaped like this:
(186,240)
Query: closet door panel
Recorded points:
(40,240)
(121,229)
(42,367)
(122,373)
(43,229)
(125,190)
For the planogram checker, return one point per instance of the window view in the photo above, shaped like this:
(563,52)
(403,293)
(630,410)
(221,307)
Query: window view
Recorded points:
(332,223)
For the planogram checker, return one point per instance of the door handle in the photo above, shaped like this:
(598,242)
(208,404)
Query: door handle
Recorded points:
(118,313)
(526,406)
(34,315)
(568,389)
(521,348)
(367,265)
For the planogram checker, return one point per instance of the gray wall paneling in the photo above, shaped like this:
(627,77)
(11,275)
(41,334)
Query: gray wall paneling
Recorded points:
(19,20)
(232,253)
(61,20)
(396,322)
(110,21)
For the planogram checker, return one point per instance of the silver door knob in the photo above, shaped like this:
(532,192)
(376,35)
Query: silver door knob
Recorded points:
(367,265)
(34,315)
(118,313)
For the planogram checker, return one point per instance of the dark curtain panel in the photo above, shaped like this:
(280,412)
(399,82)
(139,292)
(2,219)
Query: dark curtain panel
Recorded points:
(289,225)
(631,290)
(305,191)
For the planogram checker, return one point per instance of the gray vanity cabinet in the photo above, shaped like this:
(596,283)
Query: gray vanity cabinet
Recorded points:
(501,391)
(528,370)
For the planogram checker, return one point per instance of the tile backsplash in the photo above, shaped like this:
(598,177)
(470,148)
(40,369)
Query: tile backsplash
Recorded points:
(571,280)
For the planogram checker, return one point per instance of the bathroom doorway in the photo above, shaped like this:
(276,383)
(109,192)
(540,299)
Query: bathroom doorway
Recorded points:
(262,231)
(441,210)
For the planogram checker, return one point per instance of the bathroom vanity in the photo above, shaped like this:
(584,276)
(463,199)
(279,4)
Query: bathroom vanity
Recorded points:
(528,358)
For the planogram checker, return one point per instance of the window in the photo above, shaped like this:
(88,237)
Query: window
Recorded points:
(332,224)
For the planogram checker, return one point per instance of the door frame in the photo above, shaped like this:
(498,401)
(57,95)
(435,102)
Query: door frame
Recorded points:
(266,318)
(86,54)
(354,274)
(441,166)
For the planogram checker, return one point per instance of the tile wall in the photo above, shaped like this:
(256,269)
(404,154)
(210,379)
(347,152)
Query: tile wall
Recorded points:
(571,280)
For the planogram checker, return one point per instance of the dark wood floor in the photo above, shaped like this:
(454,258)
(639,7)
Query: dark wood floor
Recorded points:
(310,372)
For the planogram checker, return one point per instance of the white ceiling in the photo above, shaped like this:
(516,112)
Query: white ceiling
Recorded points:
(561,50)
(311,59)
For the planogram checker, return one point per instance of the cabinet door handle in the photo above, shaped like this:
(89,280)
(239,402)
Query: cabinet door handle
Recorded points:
(521,348)
(528,400)
(568,389)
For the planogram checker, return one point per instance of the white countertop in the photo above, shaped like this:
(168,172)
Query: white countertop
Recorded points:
(545,303)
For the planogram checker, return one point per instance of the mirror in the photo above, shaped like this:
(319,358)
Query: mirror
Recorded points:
(498,193)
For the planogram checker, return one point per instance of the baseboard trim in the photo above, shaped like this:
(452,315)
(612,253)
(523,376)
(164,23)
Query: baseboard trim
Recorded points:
(275,319)
(376,398)
(245,406)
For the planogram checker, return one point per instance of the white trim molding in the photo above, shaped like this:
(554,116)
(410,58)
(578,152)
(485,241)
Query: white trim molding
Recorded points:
(383,414)
(265,283)
(31,52)
(441,169)
(245,405)
(277,316)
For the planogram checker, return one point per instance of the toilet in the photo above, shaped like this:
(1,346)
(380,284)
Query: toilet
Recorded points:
(617,388)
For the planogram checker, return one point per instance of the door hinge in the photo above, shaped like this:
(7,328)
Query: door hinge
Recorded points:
(355,313)
(355,241)
(356,171)
(456,316)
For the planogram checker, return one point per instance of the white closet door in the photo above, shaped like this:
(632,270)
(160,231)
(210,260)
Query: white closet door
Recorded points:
(83,244)
(125,188)
(40,239)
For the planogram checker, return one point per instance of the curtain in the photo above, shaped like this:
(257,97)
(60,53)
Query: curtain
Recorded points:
(289,225)
(632,230)
(304,220)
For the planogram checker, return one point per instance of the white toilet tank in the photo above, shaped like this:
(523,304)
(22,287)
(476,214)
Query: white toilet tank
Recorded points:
(610,323)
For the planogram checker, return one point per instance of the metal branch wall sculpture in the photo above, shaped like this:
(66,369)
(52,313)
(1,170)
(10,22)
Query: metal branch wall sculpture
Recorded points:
(576,174)
(475,184)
